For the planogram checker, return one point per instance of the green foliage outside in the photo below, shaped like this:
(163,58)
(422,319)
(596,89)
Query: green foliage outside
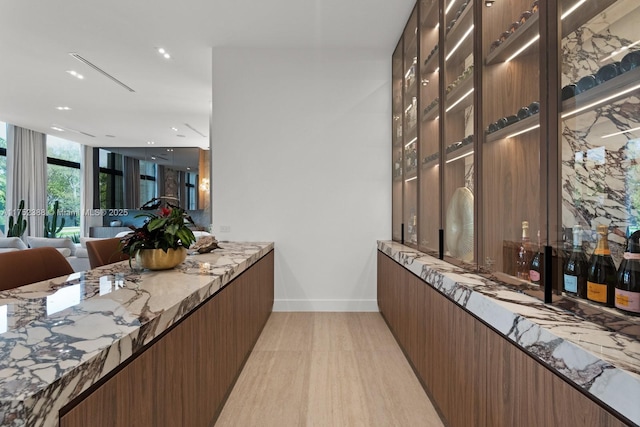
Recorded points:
(63,183)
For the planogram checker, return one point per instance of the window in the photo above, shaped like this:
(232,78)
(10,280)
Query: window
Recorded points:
(3,173)
(63,183)
(190,188)
(111,180)
(147,181)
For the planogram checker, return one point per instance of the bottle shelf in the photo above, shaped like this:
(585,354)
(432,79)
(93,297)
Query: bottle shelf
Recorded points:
(430,65)
(411,174)
(459,91)
(516,41)
(462,25)
(431,160)
(610,91)
(531,122)
(459,153)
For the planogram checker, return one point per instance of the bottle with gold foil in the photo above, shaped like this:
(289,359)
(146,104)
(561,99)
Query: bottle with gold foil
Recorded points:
(627,293)
(601,275)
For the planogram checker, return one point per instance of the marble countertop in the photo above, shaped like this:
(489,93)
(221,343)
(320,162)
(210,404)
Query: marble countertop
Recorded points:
(605,364)
(59,337)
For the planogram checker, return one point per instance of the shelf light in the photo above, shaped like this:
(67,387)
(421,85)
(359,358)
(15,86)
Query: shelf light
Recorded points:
(523,131)
(459,100)
(411,142)
(523,48)
(411,179)
(459,43)
(620,133)
(600,101)
(620,51)
(572,9)
(449,6)
(462,156)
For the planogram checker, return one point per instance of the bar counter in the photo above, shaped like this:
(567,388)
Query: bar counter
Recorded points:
(601,363)
(60,337)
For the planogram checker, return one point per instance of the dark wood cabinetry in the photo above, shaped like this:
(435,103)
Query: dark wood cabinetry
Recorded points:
(474,375)
(185,375)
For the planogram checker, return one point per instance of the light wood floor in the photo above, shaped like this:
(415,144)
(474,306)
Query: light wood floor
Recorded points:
(327,369)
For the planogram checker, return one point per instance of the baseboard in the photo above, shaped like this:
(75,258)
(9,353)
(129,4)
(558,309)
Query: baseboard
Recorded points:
(325,305)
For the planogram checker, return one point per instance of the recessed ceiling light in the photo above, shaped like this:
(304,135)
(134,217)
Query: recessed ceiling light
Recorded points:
(188,168)
(153,157)
(150,142)
(57,128)
(169,149)
(162,51)
(75,74)
(175,129)
(63,108)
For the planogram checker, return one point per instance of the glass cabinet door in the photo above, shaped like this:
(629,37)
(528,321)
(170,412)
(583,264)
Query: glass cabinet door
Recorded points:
(600,122)
(410,134)
(512,226)
(458,186)
(397,76)
(429,128)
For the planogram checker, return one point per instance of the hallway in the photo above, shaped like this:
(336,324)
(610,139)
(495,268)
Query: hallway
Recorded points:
(327,369)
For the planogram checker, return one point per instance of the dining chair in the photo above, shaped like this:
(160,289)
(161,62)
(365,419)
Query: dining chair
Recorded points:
(104,251)
(27,266)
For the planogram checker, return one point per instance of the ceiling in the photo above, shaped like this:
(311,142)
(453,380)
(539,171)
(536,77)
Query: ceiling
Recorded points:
(121,38)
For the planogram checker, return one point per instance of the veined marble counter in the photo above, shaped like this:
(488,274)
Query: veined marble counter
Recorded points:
(59,337)
(603,363)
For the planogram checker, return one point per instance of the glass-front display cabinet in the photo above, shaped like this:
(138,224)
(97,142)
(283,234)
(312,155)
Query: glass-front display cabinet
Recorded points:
(429,129)
(458,129)
(517,127)
(397,160)
(513,230)
(410,134)
(599,146)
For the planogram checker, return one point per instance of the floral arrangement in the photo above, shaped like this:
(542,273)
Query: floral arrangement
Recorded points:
(168,229)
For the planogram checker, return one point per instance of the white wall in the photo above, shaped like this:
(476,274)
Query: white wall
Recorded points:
(301,157)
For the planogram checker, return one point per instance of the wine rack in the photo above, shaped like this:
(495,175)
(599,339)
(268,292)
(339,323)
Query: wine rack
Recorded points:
(453,46)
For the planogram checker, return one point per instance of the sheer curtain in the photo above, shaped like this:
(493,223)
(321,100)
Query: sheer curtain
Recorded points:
(27,175)
(86,189)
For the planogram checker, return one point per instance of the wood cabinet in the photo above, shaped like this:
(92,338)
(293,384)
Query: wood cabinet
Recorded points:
(184,376)
(474,375)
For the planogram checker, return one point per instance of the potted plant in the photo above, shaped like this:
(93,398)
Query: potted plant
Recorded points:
(162,240)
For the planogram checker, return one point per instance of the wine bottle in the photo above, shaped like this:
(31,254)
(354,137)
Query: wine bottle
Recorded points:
(536,265)
(601,276)
(575,270)
(627,293)
(524,254)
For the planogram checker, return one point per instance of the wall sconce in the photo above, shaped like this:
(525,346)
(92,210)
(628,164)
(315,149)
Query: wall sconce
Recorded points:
(204,184)
(488,3)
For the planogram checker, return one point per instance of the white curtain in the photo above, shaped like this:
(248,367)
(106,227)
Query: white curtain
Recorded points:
(27,176)
(86,189)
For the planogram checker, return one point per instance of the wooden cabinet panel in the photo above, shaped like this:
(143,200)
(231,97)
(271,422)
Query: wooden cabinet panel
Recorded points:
(475,376)
(183,378)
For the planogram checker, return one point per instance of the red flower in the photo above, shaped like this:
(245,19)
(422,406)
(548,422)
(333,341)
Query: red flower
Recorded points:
(165,212)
